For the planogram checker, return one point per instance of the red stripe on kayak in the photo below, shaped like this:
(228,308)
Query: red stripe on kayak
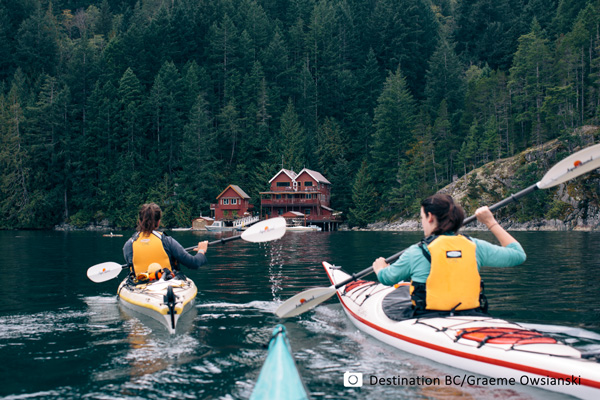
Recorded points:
(487,360)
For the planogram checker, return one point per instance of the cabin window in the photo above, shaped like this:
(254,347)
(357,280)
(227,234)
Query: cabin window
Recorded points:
(279,211)
(278,196)
(308,183)
(283,184)
(307,211)
(234,201)
(309,196)
(225,202)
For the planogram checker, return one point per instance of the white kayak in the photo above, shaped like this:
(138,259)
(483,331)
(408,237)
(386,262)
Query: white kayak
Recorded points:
(163,300)
(480,344)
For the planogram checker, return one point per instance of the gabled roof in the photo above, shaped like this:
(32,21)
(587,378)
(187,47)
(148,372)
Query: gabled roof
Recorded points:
(288,172)
(293,214)
(236,189)
(315,175)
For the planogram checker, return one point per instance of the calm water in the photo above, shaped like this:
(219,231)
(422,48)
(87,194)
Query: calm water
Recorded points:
(63,336)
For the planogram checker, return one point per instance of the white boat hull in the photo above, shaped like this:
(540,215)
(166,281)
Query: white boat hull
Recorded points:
(302,228)
(219,228)
(551,366)
(149,300)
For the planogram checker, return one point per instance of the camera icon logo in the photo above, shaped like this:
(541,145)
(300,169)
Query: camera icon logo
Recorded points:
(353,379)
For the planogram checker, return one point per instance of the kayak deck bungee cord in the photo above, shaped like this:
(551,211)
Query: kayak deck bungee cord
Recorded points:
(473,342)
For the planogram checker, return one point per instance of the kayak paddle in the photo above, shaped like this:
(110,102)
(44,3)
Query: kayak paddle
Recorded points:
(264,231)
(571,167)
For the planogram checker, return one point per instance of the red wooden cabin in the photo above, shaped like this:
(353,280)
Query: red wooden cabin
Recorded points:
(231,204)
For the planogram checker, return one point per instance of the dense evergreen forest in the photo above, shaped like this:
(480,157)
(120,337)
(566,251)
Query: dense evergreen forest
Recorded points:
(106,105)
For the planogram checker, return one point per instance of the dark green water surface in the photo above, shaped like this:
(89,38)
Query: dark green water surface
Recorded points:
(65,337)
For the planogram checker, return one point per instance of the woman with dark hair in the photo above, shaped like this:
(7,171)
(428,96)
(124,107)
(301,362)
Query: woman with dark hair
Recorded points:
(444,267)
(149,250)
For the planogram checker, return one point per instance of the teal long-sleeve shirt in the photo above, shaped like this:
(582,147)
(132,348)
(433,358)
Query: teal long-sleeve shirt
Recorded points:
(413,266)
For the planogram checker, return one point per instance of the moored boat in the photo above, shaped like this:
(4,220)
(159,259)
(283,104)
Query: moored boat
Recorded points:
(279,377)
(310,228)
(166,301)
(479,344)
(219,226)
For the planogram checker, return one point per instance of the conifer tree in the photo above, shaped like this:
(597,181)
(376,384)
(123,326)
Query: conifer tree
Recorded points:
(529,80)
(165,100)
(363,192)
(291,135)
(332,150)
(6,61)
(230,128)
(198,180)
(566,14)
(394,124)
(130,118)
(445,81)
(15,188)
(37,49)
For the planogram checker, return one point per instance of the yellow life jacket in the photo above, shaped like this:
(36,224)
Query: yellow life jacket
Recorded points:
(454,282)
(148,249)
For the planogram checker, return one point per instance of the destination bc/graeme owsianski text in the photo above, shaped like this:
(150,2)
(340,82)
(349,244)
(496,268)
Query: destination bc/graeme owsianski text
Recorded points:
(462,380)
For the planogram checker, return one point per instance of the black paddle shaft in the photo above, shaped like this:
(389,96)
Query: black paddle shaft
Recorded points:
(217,242)
(512,198)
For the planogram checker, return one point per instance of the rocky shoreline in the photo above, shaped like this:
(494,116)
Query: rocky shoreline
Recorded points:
(412,225)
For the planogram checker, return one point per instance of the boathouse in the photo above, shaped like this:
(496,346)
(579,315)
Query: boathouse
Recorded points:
(232,203)
(307,192)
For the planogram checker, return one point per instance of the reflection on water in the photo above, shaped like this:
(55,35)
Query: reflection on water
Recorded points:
(73,337)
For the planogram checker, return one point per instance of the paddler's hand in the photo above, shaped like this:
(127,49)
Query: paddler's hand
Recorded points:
(485,216)
(379,264)
(202,247)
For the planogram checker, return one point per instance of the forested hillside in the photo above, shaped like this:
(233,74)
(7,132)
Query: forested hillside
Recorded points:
(106,105)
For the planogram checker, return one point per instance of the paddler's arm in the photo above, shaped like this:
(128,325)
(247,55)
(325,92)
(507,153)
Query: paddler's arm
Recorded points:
(508,254)
(410,266)
(175,250)
(485,216)
(492,255)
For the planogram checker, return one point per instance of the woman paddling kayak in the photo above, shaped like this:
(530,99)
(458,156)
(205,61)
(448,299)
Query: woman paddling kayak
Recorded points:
(148,247)
(444,267)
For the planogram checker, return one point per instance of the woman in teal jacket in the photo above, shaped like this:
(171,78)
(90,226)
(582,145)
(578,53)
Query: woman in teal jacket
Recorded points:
(455,285)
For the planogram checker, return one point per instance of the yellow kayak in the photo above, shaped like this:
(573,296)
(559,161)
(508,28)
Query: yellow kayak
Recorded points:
(163,300)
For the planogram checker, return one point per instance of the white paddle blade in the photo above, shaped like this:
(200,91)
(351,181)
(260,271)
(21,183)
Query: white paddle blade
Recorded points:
(571,167)
(104,272)
(265,231)
(304,301)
